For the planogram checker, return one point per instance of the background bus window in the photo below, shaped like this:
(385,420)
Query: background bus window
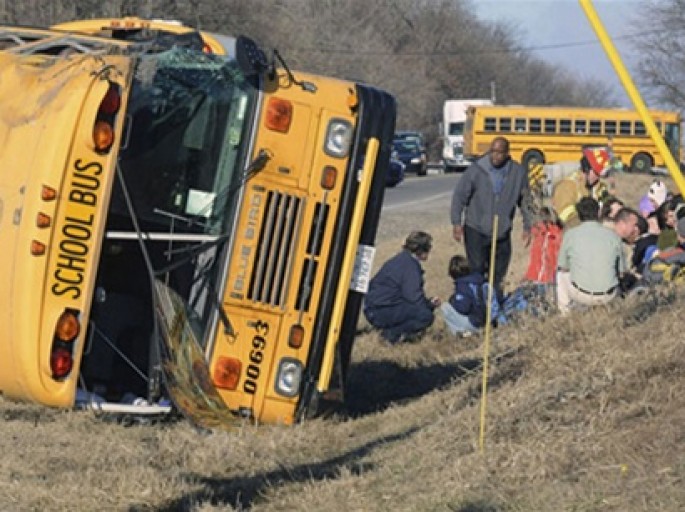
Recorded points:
(490,124)
(595,126)
(520,124)
(581,126)
(564,126)
(659,127)
(536,125)
(505,124)
(610,127)
(640,128)
(625,128)
(550,125)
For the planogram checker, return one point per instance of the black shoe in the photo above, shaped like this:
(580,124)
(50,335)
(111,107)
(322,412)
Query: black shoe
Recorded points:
(391,337)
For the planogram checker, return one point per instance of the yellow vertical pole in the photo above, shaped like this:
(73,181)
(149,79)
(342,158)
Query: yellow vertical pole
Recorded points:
(633,93)
(488,328)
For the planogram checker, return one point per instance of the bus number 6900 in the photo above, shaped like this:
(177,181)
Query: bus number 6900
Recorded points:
(256,357)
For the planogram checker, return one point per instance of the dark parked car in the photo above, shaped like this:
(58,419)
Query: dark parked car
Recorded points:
(415,136)
(410,154)
(395,174)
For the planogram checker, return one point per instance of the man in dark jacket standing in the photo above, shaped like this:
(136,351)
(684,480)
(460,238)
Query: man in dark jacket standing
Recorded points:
(493,185)
(396,302)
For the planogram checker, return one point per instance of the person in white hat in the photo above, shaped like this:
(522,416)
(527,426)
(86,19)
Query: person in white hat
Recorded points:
(656,196)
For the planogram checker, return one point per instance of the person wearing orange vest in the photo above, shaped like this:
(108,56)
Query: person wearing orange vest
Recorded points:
(586,182)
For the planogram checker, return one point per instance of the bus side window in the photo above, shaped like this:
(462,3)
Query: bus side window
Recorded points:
(520,124)
(625,128)
(536,125)
(610,127)
(490,124)
(564,126)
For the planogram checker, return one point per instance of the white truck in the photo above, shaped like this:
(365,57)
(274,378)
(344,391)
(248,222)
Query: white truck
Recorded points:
(452,132)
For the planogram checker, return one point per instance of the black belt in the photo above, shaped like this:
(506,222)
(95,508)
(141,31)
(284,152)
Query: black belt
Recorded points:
(608,292)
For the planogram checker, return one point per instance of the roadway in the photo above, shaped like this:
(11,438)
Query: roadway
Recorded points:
(433,191)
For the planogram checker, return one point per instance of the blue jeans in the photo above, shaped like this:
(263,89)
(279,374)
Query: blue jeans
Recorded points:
(456,322)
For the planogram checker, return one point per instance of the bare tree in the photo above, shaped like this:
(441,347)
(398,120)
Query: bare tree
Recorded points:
(422,51)
(662,51)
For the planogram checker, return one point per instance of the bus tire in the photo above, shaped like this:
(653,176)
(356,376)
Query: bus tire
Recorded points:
(641,162)
(532,157)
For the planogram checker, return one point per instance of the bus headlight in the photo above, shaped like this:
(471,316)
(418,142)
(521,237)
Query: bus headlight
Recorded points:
(289,377)
(338,138)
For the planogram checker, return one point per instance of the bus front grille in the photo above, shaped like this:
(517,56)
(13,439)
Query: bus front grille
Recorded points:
(276,249)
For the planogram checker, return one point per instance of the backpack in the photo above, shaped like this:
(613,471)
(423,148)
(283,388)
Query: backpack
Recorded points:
(666,266)
(479,315)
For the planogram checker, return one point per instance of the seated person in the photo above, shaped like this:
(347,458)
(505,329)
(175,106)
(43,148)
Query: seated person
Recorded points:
(668,265)
(668,237)
(396,302)
(645,245)
(656,195)
(591,260)
(610,207)
(466,311)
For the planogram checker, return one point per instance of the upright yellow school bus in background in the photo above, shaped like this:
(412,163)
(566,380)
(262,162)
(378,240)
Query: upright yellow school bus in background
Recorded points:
(178,216)
(554,134)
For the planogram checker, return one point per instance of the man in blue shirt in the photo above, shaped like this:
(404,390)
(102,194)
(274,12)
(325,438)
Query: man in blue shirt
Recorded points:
(396,302)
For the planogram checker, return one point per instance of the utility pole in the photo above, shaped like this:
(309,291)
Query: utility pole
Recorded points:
(493,92)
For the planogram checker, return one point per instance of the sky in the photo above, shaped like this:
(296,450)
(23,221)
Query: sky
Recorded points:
(562,23)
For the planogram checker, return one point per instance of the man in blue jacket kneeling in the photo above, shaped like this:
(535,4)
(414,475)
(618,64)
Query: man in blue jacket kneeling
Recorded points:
(396,302)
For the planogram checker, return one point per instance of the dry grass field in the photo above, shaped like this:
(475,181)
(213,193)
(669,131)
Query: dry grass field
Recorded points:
(585,413)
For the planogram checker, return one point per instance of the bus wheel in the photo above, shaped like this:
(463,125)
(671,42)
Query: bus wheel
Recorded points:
(641,162)
(532,157)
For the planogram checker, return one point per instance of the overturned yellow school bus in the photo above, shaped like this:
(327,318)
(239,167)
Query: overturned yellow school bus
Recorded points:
(181,217)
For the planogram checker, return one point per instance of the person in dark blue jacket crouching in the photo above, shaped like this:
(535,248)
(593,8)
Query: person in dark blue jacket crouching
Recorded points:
(396,302)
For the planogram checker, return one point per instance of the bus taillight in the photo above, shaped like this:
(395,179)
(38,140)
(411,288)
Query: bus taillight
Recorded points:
(68,326)
(67,329)
(61,362)
(111,102)
(103,129)
(226,373)
(103,136)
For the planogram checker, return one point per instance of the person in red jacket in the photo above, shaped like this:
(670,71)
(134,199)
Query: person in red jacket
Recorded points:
(546,236)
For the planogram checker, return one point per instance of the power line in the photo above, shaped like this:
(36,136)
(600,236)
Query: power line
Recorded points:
(554,46)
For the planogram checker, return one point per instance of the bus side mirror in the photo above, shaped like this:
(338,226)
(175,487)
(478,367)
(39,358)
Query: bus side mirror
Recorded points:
(250,57)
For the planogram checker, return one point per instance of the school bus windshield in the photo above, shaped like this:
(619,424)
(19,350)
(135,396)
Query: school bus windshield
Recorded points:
(181,166)
(182,156)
